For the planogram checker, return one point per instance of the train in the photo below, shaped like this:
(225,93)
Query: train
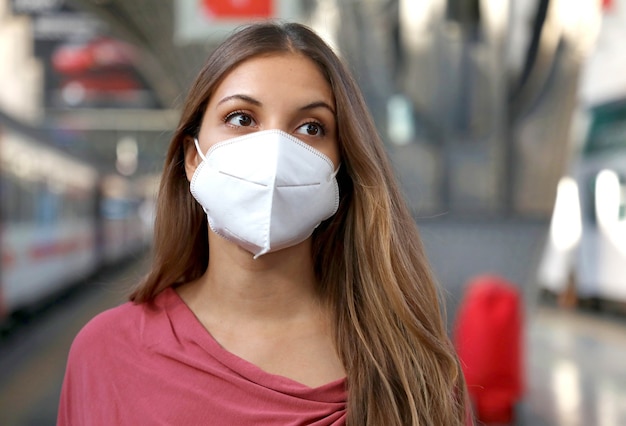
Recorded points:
(584,260)
(61,219)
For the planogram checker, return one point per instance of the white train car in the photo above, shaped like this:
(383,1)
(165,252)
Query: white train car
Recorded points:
(60,220)
(123,228)
(48,230)
(585,256)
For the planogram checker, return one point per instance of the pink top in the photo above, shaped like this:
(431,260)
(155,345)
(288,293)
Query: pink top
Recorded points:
(156,364)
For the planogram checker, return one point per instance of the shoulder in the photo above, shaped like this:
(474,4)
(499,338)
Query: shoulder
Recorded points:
(122,316)
(129,327)
(108,327)
(111,359)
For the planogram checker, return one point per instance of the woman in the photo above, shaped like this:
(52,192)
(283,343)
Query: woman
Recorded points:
(289,285)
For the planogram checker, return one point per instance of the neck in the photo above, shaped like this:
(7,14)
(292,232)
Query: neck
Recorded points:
(275,287)
(267,311)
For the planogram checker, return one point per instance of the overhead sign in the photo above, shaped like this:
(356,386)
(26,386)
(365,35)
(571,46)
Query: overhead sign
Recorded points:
(65,25)
(35,6)
(57,21)
(201,21)
(238,9)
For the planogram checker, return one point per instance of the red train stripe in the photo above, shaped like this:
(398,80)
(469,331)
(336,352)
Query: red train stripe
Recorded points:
(58,248)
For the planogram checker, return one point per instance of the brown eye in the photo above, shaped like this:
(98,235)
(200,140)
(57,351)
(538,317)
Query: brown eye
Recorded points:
(311,129)
(239,119)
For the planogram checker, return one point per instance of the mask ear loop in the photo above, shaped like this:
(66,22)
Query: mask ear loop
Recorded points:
(195,141)
(334,174)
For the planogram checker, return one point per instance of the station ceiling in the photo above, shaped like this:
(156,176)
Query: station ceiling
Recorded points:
(168,66)
(149,25)
(168,69)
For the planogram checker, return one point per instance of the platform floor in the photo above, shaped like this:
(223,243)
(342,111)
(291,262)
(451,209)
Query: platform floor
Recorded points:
(575,361)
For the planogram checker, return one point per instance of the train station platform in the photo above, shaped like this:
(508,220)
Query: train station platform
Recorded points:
(574,369)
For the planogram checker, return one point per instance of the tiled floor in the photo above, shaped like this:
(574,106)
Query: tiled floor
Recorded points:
(576,369)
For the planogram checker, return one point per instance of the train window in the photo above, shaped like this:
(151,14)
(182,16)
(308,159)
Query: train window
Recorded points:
(608,129)
(85,204)
(77,203)
(67,210)
(27,200)
(47,210)
(608,136)
(10,198)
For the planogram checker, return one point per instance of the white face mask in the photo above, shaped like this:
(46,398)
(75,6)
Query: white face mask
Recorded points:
(266,190)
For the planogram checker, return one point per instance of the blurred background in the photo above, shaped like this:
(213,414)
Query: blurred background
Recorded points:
(505,121)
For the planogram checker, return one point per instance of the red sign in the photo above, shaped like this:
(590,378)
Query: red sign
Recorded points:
(238,9)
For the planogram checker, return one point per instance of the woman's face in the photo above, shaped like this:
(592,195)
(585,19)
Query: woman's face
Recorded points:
(282,91)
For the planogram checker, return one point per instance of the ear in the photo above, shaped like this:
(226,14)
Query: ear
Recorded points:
(192,158)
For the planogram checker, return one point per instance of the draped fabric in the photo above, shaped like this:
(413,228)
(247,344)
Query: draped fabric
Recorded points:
(155,364)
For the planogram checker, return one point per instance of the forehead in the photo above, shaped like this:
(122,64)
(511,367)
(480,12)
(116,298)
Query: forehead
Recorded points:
(280,73)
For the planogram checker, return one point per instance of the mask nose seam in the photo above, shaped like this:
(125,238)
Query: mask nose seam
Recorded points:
(270,199)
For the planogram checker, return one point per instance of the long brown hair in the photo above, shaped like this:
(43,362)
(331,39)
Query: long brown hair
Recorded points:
(389,330)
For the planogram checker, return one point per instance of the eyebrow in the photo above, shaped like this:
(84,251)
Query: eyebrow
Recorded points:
(251,100)
(246,98)
(318,104)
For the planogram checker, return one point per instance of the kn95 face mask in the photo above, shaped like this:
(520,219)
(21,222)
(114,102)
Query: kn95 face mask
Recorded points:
(266,190)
